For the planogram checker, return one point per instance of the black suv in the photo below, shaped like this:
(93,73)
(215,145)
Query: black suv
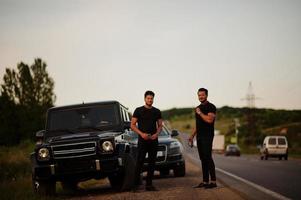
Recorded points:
(82,142)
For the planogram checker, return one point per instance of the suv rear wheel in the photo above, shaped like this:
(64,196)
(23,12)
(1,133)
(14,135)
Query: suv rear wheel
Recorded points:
(266,157)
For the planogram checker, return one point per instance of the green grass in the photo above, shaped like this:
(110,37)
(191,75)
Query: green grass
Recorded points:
(15,175)
(15,172)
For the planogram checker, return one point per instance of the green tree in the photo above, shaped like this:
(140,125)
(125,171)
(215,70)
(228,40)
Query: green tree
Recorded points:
(29,85)
(26,94)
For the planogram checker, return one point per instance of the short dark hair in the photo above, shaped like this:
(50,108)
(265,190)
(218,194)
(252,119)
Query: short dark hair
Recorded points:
(148,92)
(203,90)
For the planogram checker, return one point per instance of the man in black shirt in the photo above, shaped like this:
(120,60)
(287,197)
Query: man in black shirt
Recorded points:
(149,122)
(205,117)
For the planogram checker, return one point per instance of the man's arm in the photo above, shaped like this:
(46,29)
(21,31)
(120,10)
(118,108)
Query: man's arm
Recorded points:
(159,129)
(136,130)
(192,135)
(207,118)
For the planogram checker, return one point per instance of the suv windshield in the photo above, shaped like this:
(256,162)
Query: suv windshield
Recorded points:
(100,117)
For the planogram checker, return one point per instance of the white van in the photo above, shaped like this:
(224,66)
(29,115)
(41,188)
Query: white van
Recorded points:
(274,146)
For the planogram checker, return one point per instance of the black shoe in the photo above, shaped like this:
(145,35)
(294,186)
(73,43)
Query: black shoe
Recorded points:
(211,185)
(200,185)
(150,188)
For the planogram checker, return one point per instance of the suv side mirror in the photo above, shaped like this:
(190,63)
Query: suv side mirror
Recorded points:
(40,136)
(127,125)
(174,133)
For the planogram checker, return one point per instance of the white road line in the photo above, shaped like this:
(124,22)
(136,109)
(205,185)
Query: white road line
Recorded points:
(265,190)
(258,187)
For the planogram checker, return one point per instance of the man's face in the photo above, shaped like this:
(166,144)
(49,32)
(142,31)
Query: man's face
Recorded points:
(202,96)
(149,100)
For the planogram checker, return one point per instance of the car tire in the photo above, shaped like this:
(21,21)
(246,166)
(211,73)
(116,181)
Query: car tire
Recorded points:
(179,171)
(164,172)
(124,180)
(280,157)
(43,188)
(286,157)
(69,186)
(115,181)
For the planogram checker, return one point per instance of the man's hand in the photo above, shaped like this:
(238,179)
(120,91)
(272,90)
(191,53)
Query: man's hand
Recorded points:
(154,137)
(145,136)
(190,141)
(198,111)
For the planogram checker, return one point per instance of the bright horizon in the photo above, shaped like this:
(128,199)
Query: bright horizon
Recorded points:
(116,50)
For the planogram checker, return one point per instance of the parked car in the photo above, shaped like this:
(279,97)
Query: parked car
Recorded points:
(274,146)
(169,152)
(80,142)
(232,150)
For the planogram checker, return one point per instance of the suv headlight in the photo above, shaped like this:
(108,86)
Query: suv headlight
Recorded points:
(174,145)
(107,146)
(43,154)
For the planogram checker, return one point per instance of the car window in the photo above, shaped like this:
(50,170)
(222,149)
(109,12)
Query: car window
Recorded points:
(272,141)
(281,141)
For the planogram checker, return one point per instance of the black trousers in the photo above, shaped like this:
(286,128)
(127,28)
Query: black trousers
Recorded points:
(205,153)
(150,147)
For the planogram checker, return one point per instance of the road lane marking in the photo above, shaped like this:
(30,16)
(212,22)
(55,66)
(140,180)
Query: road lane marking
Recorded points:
(263,189)
(258,187)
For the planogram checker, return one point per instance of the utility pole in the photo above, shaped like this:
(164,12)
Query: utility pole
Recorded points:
(250,117)
(237,124)
(250,97)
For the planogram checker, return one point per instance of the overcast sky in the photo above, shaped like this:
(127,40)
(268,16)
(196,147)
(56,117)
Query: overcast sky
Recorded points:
(116,50)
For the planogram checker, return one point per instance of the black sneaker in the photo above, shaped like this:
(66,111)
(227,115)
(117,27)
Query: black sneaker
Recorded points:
(210,185)
(200,185)
(150,188)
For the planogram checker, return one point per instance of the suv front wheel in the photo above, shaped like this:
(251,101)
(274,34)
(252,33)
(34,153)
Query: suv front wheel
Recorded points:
(179,171)
(45,187)
(124,180)
(69,186)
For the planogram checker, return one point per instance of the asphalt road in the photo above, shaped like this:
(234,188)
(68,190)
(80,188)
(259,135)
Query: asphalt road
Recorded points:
(279,176)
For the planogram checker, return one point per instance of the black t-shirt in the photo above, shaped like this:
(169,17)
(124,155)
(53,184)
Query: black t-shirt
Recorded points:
(147,119)
(203,128)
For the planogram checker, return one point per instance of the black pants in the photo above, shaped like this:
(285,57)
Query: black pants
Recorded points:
(205,153)
(150,147)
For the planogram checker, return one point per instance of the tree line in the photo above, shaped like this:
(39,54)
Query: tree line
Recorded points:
(254,123)
(25,95)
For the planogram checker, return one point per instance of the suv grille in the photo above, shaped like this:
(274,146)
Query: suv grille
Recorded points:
(74,150)
(161,157)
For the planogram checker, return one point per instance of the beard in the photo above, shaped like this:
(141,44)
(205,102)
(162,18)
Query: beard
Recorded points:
(149,104)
